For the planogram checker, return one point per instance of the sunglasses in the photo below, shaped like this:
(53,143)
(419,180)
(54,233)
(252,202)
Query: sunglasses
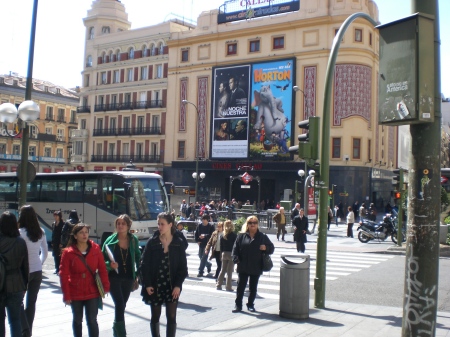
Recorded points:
(252,222)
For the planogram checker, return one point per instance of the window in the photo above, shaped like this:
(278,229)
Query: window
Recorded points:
(154,149)
(89,61)
(104,57)
(73,116)
(83,124)
(254,46)
(86,80)
(47,152)
(61,115)
(369,151)
(33,131)
(231,48)
(144,72)
(32,151)
(126,123)
(99,149)
(49,113)
(2,148)
(130,74)
(140,124)
(16,149)
(91,33)
(127,99)
(112,125)
(113,101)
(126,149)
(278,42)
(105,30)
(104,77)
(59,153)
(139,150)
(181,149)
(78,149)
(336,151)
(111,149)
(184,55)
(358,35)
(48,131)
(60,135)
(116,77)
(131,54)
(100,123)
(110,56)
(370,39)
(159,71)
(101,100)
(117,55)
(144,51)
(155,121)
(356,148)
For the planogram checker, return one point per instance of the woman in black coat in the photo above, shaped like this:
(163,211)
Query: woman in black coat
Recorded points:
(300,223)
(14,250)
(163,270)
(56,239)
(248,252)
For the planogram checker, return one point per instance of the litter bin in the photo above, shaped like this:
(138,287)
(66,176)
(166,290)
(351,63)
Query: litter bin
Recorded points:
(294,286)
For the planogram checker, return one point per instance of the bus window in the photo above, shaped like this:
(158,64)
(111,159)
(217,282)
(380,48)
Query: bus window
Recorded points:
(75,190)
(54,190)
(119,201)
(107,196)
(9,188)
(91,191)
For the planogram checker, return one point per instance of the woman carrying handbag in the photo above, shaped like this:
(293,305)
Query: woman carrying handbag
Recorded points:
(82,269)
(122,256)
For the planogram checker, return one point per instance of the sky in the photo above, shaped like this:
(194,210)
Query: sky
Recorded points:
(60,32)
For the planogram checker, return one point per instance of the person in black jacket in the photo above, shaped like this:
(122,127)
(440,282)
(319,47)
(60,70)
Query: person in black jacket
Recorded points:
(301,227)
(56,239)
(163,270)
(202,235)
(68,226)
(14,250)
(247,253)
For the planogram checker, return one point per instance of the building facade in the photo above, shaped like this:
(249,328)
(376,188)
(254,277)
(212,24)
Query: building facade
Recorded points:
(250,67)
(123,98)
(49,148)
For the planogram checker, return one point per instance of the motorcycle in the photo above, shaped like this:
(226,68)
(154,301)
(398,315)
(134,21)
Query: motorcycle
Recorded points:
(371,230)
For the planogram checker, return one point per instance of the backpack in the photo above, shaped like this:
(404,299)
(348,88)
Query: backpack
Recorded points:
(3,263)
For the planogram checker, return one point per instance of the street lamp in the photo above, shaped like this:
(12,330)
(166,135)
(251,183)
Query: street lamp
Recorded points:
(301,174)
(296,88)
(196,152)
(29,108)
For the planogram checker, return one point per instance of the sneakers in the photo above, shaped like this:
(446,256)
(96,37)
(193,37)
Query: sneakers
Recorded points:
(237,309)
(251,308)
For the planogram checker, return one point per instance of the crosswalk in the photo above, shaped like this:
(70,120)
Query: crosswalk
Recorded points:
(339,264)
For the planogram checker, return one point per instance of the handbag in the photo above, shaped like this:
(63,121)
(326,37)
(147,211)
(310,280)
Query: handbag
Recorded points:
(98,280)
(267,263)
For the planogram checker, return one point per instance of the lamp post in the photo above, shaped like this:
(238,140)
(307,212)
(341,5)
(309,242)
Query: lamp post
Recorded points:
(301,174)
(296,88)
(311,175)
(28,111)
(196,152)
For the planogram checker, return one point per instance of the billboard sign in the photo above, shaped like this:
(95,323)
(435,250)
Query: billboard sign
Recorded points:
(252,110)
(236,10)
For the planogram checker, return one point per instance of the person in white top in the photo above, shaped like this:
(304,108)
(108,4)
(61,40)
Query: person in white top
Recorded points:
(36,241)
(350,222)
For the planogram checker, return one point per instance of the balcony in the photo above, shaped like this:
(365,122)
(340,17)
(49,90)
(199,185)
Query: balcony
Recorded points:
(129,105)
(126,158)
(18,157)
(49,117)
(83,109)
(79,133)
(154,130)
(79,158)
(61,119)
(46,137)
(73,121)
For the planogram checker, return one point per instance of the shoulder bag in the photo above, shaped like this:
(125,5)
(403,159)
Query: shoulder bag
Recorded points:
(267,263)
(98,280)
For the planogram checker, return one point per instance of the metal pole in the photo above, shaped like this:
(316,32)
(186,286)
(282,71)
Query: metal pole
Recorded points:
(422,247)
(25,132)
(400,209)
(319,281)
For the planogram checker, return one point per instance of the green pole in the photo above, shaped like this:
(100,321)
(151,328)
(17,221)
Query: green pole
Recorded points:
(319,281)
(422,247)
(400,208)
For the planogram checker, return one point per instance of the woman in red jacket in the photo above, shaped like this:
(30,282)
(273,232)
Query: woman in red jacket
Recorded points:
(77,281)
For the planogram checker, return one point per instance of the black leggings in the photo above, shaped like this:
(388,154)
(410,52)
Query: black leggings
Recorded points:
(120,289)
(171,312)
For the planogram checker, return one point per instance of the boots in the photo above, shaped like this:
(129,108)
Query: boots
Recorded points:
(154,329)
(119,329)
(171,329)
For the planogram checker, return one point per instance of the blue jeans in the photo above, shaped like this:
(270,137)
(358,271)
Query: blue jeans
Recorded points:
(203,259)
(91,308)
(12,304)
(34,284)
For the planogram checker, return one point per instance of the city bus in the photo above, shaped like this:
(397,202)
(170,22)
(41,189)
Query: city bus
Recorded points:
(99,197)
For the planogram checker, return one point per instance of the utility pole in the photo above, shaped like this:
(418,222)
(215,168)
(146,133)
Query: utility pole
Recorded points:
(422,246)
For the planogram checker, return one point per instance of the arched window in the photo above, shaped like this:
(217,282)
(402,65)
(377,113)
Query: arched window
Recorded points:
(144,51)
(89,61)
(131,53)
(160,48)
(103,57)
(117,55)
(152,50)
(110,56)
(91,33)
(105,30)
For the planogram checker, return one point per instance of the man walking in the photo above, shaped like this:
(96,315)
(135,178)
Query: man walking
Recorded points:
(280,220)
(183,209)
(301,227)
(202,235)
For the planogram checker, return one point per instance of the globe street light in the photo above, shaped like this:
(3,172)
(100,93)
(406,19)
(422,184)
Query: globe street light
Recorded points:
(301,174)
(196,152)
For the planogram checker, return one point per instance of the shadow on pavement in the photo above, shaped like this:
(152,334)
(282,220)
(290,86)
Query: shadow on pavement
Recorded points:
(391,320)
(195,307)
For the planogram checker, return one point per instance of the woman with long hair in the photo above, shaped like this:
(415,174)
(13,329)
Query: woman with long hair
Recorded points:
(36,241)
(162,271)
(14,249)
(247,253)
(56,238)
(79,261)
(122,269)
(226,246)
(213,245)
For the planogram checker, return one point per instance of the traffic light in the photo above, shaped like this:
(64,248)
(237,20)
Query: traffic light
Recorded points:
(308,146)
(330,192)
(397,195)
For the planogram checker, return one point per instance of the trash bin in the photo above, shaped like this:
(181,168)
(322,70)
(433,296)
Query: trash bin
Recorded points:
(294,286)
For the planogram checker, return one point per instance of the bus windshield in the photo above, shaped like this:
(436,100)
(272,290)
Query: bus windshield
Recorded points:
(146,198)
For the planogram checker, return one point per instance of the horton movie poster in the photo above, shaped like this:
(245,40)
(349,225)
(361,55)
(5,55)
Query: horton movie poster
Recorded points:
(271,109)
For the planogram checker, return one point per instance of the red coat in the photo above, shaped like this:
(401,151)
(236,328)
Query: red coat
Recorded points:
(77,283)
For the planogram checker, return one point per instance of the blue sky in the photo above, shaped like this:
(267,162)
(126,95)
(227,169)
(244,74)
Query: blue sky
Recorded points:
(60,32)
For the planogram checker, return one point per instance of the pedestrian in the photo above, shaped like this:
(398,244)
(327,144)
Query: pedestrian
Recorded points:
(68,227)
(182,233)
(330,216)
(372,212)
(213,246)
(336,214)
(122,268)
(79,263)
(248,250)
(355,209)
(362,211)
(14,249)
(163,270)
(350,222)
(301,227)
(37,247)
(57,227)
(295,211)
(202,235)
(280,221)
(183,209)
(226,247)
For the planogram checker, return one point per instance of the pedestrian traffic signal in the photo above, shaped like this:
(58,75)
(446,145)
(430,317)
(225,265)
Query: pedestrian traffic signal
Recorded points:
(308,146)
(330,192)
(397,195)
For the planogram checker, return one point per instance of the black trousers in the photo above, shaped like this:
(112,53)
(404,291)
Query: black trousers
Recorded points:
(350,230)
(300,246)
(218,258)
(120,289)
(242,283)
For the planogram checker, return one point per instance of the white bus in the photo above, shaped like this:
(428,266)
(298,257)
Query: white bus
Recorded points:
(98,197)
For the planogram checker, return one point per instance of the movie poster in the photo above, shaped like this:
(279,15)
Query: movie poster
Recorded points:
(271,109)
(230,117)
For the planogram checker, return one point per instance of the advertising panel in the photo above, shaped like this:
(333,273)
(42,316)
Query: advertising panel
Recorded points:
(230,107)
(271,109)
